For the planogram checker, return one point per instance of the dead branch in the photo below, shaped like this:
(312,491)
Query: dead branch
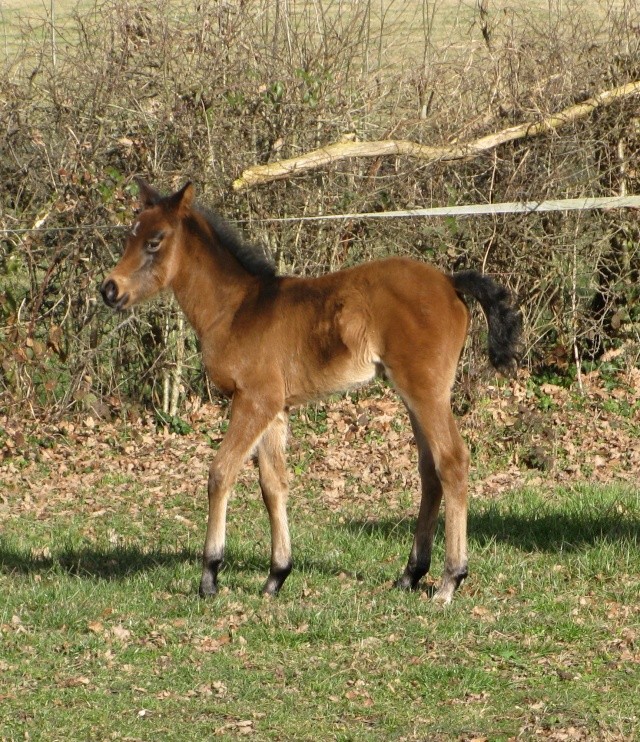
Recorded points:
(332,153)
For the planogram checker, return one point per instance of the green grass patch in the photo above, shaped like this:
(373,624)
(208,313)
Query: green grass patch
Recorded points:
(103,636)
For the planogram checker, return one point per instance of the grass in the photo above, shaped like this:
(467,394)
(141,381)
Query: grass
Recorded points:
(403,24)
(103,637)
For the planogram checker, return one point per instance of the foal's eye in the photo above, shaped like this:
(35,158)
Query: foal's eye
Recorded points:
(154,243)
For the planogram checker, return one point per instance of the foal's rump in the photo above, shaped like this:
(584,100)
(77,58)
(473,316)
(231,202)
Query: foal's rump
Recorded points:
(412,319)
(418,320)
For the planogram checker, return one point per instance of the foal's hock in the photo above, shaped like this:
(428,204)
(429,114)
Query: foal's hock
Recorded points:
(270,342)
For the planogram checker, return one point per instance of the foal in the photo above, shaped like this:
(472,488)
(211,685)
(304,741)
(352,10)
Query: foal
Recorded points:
(270,342)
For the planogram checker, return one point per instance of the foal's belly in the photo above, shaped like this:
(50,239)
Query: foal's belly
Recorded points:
(332,380)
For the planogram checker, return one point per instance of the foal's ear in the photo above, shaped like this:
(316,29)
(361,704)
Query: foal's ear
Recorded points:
(148,196)
(182,200)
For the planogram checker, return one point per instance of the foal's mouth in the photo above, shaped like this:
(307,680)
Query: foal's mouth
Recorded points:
(110,297)
(121,304)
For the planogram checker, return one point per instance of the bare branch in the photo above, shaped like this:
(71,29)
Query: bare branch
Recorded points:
(332,153)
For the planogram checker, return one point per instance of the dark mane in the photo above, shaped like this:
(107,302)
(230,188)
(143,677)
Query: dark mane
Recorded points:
(253,259)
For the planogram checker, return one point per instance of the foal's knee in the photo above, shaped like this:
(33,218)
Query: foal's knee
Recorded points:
(453,468)
(214,477)
(218,481)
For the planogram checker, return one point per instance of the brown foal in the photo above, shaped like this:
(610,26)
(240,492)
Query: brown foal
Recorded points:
(270,342)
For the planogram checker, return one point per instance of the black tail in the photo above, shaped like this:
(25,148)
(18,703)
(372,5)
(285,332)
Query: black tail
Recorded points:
(503,319)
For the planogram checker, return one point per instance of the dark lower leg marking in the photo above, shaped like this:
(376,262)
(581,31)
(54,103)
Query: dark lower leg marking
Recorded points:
(459,574)
(277,576)
(209,580)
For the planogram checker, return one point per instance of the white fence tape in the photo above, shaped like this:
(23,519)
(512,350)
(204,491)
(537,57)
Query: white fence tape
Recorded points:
(513,207)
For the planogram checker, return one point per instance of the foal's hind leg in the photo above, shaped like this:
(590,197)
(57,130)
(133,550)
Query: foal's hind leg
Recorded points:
(448,463)
(275,490)
(420,556)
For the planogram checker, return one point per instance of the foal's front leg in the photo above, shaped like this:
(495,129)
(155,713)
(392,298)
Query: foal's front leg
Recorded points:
(249,420)
(275,490)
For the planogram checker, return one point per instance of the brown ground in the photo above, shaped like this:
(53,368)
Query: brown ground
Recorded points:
(358,448)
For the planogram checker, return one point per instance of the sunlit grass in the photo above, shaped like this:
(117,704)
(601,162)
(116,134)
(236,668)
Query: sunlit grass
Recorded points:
(103,634)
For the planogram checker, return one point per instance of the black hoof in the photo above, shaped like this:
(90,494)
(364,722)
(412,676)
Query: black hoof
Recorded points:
(207,590)
(276,580)
(209,581)
(406,582)
(269,590)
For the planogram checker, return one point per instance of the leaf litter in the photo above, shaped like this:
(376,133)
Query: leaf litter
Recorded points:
(358,447)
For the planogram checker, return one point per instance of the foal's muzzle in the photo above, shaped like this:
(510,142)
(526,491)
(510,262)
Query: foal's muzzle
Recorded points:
(109,291)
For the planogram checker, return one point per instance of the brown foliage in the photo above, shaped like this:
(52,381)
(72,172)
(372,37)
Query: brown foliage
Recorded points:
(204,90)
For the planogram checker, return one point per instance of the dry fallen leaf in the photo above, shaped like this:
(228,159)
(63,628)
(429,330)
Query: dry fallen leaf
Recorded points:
(119,632)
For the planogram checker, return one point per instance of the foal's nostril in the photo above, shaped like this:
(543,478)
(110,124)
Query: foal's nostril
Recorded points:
(109,291)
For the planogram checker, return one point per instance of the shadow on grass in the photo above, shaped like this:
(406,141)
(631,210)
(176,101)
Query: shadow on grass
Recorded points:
(547,531)
(93,562)
(543,529)
(122,562)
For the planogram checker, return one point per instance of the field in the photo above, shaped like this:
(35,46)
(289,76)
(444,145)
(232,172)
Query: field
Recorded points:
(404,23)
(103,635)
(102,496)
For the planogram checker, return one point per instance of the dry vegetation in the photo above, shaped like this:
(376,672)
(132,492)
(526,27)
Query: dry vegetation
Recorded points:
(102,509)
(203,91)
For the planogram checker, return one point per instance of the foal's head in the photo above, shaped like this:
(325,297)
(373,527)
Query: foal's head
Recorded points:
(150,258)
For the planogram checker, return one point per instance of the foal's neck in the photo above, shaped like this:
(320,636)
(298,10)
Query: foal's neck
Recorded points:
(209,284)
